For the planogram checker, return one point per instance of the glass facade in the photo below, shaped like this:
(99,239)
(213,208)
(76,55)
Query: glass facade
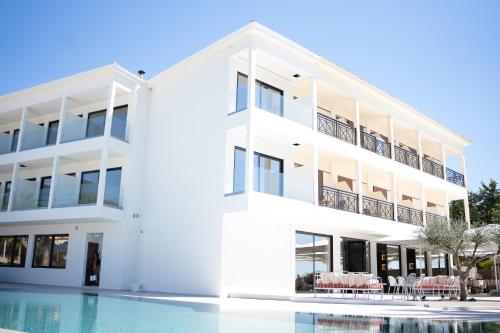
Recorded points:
(239,170)
(95,123)
(269,98)
(43,195)
(313,254)
(50,251)
(15,139)
(13,250)
(88,187)
(268,174)
(6,194)
(119,122)
(52,132)
(112,188)
(439,264)
(241,92)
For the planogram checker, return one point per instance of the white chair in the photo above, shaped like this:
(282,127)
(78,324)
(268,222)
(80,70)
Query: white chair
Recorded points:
(392,284)
(401,283)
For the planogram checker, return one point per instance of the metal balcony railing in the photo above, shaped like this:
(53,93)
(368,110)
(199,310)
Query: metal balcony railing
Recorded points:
(431,217)
(335,128)
(338,199)
(378,208)
(406,157)
(410,215)
(375,145)
(455,177)
(432,168)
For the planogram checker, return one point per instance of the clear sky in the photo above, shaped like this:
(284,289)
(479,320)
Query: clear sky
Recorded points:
(441,57)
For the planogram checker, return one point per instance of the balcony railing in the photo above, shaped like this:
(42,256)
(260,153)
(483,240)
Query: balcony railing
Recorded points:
(406,157)
(431,217)
(5,143)
(335,128)
(375,145)
(378,208)
(410,215)
(338,199)
(455,177)
(432,168)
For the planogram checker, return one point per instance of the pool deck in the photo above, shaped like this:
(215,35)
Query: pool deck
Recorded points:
(486,307)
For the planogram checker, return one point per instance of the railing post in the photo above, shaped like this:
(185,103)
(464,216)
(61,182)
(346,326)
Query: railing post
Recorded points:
(419,150)
(443,156)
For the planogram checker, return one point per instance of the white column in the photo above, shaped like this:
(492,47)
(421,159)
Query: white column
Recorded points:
(391,135)
(404,261)
(419,149)
(358,122)
(447,207)
(13,185)
(315,168)
(314,102)
(337,266)
(450,265)
(466,198)
(423,200)
(252,64)
(373,258)
(53,179)
(395,196)
(443,157)
(62,114)
(22,128)
(102,177)
(109,111)
(359,183)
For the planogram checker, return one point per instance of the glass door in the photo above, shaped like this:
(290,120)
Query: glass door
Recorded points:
(313,254)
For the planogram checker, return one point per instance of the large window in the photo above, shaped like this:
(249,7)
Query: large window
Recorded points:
(95,123)
(388,261)
(50,251)
(239,170)
(269,98)
(241,92)
(112,189)
(13,250)
(6,194)
(119,122)
(43,196)
(439,264)
(313,254)
(268,174)
(52,132)
(88,187)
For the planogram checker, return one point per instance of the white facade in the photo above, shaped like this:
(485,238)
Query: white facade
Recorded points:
(186,215)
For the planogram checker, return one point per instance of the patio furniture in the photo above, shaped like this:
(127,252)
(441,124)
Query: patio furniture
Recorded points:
(344,282)
(439,285)
(392,284)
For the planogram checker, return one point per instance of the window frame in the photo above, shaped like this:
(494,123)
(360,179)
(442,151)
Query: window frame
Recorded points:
(52,237)
(8,185)
(48,132)
(81,180)
(23,260)
(42,179)
(88,118)
(104,197)
(281,171)
(14,133)
(234,169)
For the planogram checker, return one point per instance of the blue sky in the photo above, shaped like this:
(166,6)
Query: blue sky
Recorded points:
(441,57)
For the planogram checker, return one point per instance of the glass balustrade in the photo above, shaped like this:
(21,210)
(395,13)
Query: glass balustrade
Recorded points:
(74,128)
(66,191)
(34,136)
(5,143)
(25,194)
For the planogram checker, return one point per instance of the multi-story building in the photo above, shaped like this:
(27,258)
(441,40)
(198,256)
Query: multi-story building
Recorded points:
(243,169)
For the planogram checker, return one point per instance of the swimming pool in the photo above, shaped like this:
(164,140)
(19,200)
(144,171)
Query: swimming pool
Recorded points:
(43,312)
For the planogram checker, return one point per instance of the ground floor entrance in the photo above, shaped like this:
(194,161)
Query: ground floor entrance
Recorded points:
(313,254)
(93,259)
(355,255)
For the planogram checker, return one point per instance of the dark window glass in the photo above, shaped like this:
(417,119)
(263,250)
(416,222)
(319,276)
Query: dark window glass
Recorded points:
(13,250)
(95,123)
(268,174)
(43,196)
(15,139)
(88,187)
(313,254)
(6,194)
(50,251)
(52,132)
(119,123)
(439,264)
(393,260)
(241,92)
(269,98)
(239,170)
(112,189)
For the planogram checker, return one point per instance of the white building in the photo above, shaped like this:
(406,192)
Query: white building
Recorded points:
(240,170)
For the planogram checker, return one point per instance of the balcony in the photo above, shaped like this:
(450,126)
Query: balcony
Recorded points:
(455,177)
(410,215)
(338,199)
(406,157)
(336,129)
(376,145)
(431,217)
(378,208)
(432,168)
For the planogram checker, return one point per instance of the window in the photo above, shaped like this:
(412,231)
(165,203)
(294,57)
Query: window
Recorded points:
(50,251)
(15,139)
(241,92)
(119,123)
(43,195)
(95,123)
(6,194)
(52,132)
(88,187)
(239,170)
(269,98)
(13,250)
(439,264)
(112,189)
(268,174)
(313,254)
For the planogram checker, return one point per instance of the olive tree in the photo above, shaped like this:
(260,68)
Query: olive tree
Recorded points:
(463,244)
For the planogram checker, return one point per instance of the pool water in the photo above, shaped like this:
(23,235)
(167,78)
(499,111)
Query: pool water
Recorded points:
(42,312)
